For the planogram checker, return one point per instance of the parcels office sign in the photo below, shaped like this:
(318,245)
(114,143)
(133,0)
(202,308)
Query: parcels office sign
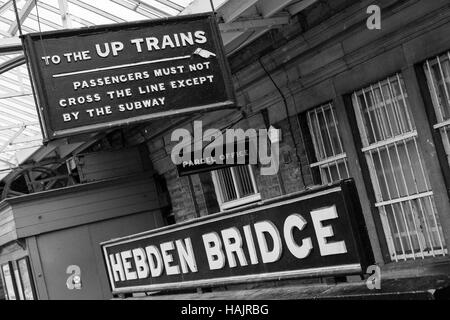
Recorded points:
(311,234)
(94,78)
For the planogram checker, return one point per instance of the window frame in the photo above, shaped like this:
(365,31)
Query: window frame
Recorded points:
(321,167)
(435,124)
(30,277)
(17,279)
(226,205)
(367,147)
(12,275)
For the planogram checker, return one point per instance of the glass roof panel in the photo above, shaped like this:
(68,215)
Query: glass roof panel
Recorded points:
(19,126)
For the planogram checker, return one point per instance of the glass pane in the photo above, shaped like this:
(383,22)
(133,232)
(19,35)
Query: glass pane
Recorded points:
(26,279)
(437,72)
(334,171)
(398,171)
(235,183)
(18,282)
(384,110)
(438,75)
(323,127)
(9,284)
(226,184)
(244,181)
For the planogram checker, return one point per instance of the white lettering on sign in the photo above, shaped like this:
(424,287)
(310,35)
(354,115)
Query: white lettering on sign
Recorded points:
(122,93)
(168,258)
(127,267)
(323,232)
(176,40)
(213,248)
(261,229)
(77,56)
(250,244)
(106,49)
(296,221)
(186,253)
(117,267)
(155,261)
(71,116)
(232,247)
(142,268)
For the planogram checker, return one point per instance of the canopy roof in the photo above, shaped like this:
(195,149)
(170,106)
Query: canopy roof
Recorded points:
(20,134)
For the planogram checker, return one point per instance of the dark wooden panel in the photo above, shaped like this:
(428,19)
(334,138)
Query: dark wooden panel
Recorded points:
(103,165)
(7,225)
(8,236)
(12,251)
(77,198)
(77,206)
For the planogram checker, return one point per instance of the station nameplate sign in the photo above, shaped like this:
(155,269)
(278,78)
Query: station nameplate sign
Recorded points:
(90,79)
(317,233)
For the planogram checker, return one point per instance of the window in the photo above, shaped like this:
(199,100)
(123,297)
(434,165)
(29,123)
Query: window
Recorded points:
(329,155)
(23,266)
(9,282)
(402,188)
(437,71)
(18,283)
(235,186)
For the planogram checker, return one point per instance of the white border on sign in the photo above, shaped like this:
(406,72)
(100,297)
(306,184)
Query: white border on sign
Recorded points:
(325,271)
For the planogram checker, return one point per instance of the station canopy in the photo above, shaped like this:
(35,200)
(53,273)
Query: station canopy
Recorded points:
(241,21)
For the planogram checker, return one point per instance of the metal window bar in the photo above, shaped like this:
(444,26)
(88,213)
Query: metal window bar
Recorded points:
(437,71)
(226,185)
(403,193)
(235,183)
(327,143)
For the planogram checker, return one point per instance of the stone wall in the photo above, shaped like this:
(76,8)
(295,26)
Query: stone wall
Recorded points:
(323,55)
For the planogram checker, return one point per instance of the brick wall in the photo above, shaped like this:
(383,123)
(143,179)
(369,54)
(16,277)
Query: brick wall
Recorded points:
(194,196)
(313,60)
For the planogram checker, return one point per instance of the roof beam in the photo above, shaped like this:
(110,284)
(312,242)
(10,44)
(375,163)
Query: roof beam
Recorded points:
(94,9)
(300,6)
(232,9)
(65,16)
(11,139)
(72,17)
(19,125)
(201,6)
(10,164)
(149,12)
(170,4)
(141,7)
(243,25)
(267,8)
(10,45)
(12,63)
(6,6)
(23,14)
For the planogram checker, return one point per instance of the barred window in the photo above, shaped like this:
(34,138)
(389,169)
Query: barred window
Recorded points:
(404,196)
(437,71)
(329,155)
(235,186)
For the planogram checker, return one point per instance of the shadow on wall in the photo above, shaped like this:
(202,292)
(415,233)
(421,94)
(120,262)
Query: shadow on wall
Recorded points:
(2,293)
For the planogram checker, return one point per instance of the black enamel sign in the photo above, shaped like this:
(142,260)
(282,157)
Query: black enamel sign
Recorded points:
(95,78)
(230,156)
(311,234)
